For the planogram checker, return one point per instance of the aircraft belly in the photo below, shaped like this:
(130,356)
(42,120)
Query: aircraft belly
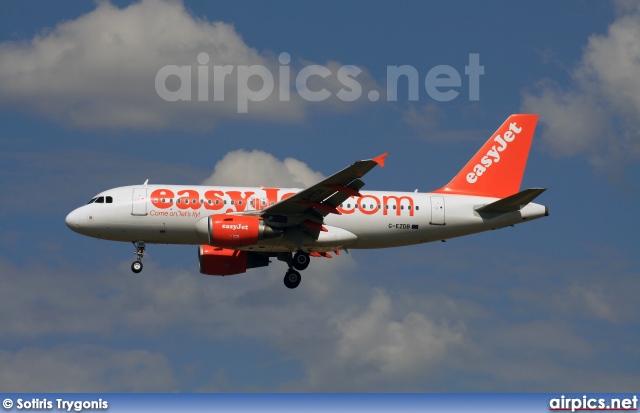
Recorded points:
(333,239)
(384,231)
(150,229)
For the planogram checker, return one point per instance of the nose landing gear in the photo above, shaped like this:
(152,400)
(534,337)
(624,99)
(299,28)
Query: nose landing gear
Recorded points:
(136,266)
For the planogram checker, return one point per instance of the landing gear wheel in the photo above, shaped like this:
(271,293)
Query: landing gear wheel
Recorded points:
(136,266)
(292,279)
(300,261)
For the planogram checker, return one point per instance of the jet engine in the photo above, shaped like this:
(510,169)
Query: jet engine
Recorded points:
(223,261)
(231,231)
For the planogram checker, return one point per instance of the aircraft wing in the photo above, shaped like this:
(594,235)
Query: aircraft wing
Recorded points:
(311,205)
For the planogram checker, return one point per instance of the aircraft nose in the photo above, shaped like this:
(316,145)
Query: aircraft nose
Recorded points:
(72,220)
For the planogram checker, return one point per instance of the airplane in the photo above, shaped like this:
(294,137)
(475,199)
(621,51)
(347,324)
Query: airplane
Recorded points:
(239,228)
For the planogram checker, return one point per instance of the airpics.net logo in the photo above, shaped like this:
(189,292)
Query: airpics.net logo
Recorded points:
(257,83)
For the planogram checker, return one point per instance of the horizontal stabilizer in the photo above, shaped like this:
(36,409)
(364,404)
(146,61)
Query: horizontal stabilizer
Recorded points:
(514,202)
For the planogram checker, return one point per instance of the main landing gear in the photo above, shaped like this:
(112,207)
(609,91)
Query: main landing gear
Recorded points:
(136,266)
(292,279)
(300,262)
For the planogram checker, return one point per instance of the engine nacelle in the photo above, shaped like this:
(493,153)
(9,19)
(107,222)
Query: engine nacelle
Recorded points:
(223,261)
(231,231)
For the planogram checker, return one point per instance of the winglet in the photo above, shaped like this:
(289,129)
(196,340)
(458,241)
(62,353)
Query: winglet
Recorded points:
(380,159)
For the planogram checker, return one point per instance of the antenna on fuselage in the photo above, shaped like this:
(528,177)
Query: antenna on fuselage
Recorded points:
(146,182)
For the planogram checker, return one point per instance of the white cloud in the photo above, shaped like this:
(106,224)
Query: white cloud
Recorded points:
(99,70)
(374,338)
(574,123)
(258,168)
(600,115)
(379,346)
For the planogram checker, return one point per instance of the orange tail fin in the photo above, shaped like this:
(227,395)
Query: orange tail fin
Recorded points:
(497,169)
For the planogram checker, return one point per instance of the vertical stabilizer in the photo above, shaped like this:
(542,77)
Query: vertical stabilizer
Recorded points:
(497,169)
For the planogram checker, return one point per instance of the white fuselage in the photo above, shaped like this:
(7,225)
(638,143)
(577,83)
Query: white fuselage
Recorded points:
(377,219)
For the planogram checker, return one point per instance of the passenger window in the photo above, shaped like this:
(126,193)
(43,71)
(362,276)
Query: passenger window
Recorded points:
(225,202)
(401,206)
(194,201)
(209,201)
(217,201)
(109,200)
(232,202)
(394,207)
(409,207)
(417,208)
(186,201)
(386,207)
(379,206)
(239,202)
(178,201)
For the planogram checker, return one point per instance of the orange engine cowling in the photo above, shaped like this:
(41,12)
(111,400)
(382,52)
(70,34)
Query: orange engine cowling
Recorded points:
(223,261)
(231,231)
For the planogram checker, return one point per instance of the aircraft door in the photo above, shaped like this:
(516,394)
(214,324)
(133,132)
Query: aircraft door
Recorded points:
(139,202)
(437,210)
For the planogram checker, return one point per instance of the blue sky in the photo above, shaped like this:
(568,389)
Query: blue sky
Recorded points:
(546,306)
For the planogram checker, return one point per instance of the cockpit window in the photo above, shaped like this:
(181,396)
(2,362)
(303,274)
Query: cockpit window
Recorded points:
(101,200)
